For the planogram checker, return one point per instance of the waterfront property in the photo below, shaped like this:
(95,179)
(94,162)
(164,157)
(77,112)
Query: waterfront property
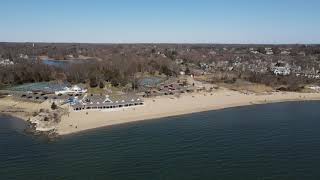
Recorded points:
(73,90)
(98,102)
(169,88)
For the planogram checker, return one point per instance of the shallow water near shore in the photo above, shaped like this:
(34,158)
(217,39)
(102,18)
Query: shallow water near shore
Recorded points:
(273,141)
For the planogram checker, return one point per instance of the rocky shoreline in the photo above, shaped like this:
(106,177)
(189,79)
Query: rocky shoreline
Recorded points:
(44,123)
(31,129)
(41,121)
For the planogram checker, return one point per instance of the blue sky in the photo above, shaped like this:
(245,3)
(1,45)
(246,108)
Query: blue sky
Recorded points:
(162,21)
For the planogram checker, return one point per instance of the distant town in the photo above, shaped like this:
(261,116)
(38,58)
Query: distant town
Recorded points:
(124,64)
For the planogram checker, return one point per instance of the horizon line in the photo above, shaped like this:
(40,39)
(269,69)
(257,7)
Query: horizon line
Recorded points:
(169,43)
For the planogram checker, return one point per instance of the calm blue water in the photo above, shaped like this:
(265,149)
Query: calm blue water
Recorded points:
(277,141)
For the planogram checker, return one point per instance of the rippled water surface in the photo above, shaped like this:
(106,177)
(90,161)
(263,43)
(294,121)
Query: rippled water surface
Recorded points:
(276,141)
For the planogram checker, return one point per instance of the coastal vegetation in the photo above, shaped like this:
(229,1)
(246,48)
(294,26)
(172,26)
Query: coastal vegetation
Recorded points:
(121,64)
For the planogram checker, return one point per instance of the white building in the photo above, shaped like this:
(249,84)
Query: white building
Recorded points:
(6,62)
(285,52)
(281,68)
(23,56)
(315,88)
(72,90)
(269,51)
(284,71)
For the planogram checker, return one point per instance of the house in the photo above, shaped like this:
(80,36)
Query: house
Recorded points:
(281,71)
(204,66)
(23,56)
(73,90)
(6,62)
(95,102)
(285,52)
(254,51)
(280,68)
(269,51)
(169,88)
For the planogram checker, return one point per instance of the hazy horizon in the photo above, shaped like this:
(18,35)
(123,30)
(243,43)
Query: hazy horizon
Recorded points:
(160,43)
(161,22)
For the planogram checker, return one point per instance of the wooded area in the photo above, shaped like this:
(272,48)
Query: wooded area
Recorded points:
(119,63)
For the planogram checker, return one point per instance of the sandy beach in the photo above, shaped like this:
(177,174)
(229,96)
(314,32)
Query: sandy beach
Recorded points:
(166,106)
(20,109)
(157,107)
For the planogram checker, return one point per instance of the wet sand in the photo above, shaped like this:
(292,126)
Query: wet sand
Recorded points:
(166,106)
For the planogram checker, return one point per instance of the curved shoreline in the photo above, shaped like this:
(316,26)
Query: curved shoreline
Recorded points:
(159,118)
(157,108)
(162,107)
